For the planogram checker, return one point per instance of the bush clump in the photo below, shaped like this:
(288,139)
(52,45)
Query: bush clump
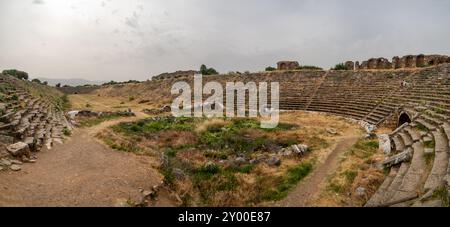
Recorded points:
(340,66)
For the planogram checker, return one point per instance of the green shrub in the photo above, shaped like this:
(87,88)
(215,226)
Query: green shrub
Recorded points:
(309,67)
(350,176)
(429,144)
(16,73)
(270,69)
(340,66)
(66,131)
(171,152)
(442,194)
(207,171)
(336,188)
(422,128)
(207,71)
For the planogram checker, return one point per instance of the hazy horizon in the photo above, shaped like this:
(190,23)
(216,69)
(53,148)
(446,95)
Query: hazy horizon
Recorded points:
(120,40)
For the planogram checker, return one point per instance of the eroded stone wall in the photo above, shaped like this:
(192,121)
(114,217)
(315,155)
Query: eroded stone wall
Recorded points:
(288,65)
(408,61)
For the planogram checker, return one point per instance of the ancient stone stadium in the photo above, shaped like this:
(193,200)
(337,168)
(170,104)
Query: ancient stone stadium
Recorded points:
(375,134)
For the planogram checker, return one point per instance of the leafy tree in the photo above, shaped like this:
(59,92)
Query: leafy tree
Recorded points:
(112,82)
(22,75)
(16,73)
(207,71)
(58,85)
(36,81)
(45,83)
(270,68)
(340,66)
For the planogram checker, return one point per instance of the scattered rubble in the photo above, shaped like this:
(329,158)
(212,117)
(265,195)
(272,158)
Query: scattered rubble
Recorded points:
(19,149)
(15,167)
(164,109)
(274,161)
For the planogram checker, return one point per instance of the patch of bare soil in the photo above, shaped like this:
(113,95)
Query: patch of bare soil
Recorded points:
(81,172)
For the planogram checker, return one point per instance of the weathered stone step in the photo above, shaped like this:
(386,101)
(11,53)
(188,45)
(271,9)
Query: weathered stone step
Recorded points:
(396,183)
(398,142)
(440,163)
(433,121)
(426,124)
(407,140)
(378,198)
(413,133)
(414,177)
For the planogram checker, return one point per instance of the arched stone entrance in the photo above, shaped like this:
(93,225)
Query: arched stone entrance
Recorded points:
(403,118)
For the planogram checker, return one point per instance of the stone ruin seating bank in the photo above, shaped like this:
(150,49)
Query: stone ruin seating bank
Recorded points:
(27,123)
(417,99)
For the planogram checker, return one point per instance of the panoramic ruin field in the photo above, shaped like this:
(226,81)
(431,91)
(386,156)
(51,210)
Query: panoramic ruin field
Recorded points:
(345,138)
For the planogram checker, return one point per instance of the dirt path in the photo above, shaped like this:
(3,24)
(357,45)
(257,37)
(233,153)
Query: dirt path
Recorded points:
(307,189)
(80,172)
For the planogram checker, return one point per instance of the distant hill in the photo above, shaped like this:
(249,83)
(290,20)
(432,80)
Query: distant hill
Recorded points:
(71,82)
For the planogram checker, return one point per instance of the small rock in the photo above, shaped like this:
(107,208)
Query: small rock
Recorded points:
(122,203)
(300,149)
(304,148)
(1,168)
(15,167)
(331,131)
(361,192)
(164,161)
(209,164)
(147,193)
(31,161)
(156,188)
(274,161)
(5,162)
(295,149)
(258,160)
(240,161)
(178,173)
(428,151)
(286,152)
(273,148)
(16,162)
(427,139)
(18,149)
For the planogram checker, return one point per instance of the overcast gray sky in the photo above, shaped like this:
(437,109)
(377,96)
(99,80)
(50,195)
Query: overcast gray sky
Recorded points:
(121,40)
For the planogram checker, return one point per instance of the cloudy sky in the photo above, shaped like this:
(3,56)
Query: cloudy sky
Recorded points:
(136,39)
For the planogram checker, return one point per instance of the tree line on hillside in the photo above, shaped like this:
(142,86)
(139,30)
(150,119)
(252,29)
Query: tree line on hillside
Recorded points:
(21,75)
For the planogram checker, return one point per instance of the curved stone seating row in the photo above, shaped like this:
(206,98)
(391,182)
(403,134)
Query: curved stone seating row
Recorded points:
(27,122)
(414,182)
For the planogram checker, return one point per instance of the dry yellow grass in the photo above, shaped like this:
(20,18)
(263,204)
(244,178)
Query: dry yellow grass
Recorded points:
(356,169)
(104,103)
